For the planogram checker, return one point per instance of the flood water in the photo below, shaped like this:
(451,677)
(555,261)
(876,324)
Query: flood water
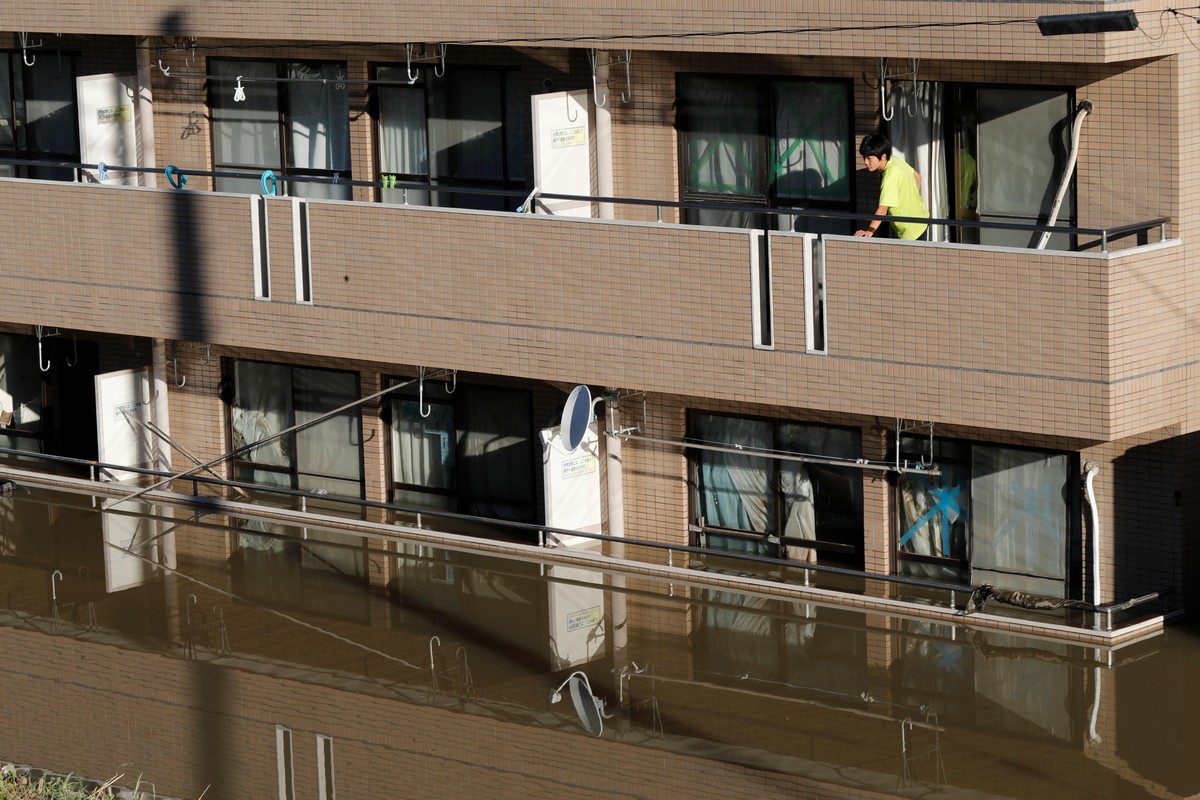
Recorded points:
(258,661)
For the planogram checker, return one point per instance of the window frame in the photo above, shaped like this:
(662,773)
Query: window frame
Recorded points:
(838,551)
(954,137)
(461,498)
(17,105)
(281,83)
(1072,543)
(291,470)
(511,125)
(768,135)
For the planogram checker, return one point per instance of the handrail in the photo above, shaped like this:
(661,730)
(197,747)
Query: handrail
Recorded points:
(95,467)
(1105,236)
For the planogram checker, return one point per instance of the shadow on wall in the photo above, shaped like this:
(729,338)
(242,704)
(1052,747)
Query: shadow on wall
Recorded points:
(1155,526)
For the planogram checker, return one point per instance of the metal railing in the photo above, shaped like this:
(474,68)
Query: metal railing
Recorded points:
(525,201)
(94,470)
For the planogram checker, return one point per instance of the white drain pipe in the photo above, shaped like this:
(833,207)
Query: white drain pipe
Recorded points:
(1084,108)
(1089,473)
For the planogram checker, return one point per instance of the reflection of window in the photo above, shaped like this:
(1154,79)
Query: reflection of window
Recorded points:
(270,398)
(743,499)
(1011,151)
(316,570)
(295,121)
(985,680)
(994,515)
(754,142)
(746,639)
(38,117)
(463,129)
(470,451)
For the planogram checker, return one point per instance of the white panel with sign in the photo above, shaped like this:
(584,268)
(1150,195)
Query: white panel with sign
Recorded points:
(572,486)
(577,627)
(123,406)
(562,152)
(108,125)
(130,548)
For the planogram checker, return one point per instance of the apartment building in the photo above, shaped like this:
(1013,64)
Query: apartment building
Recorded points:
(232,220)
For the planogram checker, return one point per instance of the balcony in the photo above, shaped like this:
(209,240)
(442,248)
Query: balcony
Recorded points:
(1079,344)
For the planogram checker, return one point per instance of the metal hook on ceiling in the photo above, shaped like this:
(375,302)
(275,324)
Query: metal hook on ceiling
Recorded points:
(40,332)
(158,55)
(452,384)
(439,69)
(53,586)
(25,47)
(627,94)
(75,349)
(595,91)
(413,77)
(886,110)
(175,365)
(421,407)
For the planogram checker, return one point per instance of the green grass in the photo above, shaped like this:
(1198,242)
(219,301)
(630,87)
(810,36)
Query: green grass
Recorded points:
(16,784)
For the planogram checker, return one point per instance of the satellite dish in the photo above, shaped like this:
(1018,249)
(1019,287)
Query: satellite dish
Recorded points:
(587,706)
(576,416)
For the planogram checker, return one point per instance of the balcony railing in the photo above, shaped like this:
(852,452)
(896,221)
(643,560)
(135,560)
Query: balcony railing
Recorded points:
(981,335)
(528,202)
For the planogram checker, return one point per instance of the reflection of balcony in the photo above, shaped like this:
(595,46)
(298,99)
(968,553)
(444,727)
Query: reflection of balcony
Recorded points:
(1071,342)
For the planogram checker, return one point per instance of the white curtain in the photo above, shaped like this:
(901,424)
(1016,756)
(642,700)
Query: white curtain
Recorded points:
(916,133)
(423,448)
(328,455)
(1018,500)
(403,149)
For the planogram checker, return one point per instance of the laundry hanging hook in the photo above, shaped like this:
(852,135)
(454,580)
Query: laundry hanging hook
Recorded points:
(595,91)
(421,407)
(158,54)
(75,350)
(452,384)
(627,94)
(239,91)
(175,365)
(885,110)
(413,77)
(440,70)
(56,575)
(25,46)
(40,331)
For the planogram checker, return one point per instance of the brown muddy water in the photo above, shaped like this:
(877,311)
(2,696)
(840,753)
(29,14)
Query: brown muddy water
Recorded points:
(207,657)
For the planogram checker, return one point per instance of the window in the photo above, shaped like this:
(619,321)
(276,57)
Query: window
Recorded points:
(283,763)
(325,786)
(782,143)
(294,121)
(1010,151)
(747,503)
(463,129)
(994,515)
(470,451)
(269,398)
(38,115)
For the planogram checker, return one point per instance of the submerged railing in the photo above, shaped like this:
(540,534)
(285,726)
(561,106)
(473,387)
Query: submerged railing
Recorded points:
(526,201)
(952,592)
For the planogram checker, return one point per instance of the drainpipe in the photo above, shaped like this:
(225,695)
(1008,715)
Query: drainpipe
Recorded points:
(616,527)
(1084,108)
(145,112)
(1089,473)
(604,151)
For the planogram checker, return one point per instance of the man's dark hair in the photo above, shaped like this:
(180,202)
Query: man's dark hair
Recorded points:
(875,144)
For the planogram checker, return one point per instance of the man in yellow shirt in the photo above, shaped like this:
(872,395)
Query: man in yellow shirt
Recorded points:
(899,191)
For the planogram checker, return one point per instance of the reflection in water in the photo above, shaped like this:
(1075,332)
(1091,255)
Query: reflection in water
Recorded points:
(260,659)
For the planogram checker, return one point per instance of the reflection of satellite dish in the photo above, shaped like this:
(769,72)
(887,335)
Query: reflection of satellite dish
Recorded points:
(589,707)
(576,416)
